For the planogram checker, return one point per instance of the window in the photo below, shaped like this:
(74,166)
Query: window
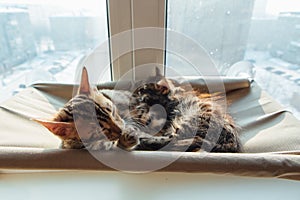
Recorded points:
(264,33)
(214,34)
(43,41)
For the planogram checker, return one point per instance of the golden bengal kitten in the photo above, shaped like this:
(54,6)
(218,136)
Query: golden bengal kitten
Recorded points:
(161,115)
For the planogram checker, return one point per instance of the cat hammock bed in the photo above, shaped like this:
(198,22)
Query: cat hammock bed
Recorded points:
(270,136)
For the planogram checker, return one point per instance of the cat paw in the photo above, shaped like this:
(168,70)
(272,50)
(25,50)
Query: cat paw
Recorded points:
(101,145)
(128,139)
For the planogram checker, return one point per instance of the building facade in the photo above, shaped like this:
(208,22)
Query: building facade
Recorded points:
(220,27)
(81,32)
(17,39)
(286,44)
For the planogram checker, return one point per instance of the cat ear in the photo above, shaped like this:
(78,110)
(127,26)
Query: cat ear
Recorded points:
(63,130)
(84,87)
(158,72)
(164,82)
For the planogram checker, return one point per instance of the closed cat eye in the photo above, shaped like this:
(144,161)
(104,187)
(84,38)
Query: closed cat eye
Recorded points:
(108,109)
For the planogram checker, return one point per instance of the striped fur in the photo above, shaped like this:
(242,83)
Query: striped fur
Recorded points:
(161,115)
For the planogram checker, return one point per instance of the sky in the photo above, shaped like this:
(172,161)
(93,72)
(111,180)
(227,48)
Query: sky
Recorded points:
(276,6)
(73,4)
(273,6)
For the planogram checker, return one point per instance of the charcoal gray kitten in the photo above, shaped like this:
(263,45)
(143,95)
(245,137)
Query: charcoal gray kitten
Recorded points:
(193,121)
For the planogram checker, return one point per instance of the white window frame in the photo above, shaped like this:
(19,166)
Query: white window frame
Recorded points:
(127,15)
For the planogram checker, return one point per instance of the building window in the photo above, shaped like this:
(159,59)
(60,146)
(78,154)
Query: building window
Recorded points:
(265,33)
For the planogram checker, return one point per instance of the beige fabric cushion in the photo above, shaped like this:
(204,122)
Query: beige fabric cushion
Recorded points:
(270,135)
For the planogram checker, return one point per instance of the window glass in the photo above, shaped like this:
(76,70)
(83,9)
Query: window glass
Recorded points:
(263,34)
(43,41)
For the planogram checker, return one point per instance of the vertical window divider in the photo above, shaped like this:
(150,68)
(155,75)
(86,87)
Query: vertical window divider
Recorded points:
(109,40)
(132,36)
(128,15)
